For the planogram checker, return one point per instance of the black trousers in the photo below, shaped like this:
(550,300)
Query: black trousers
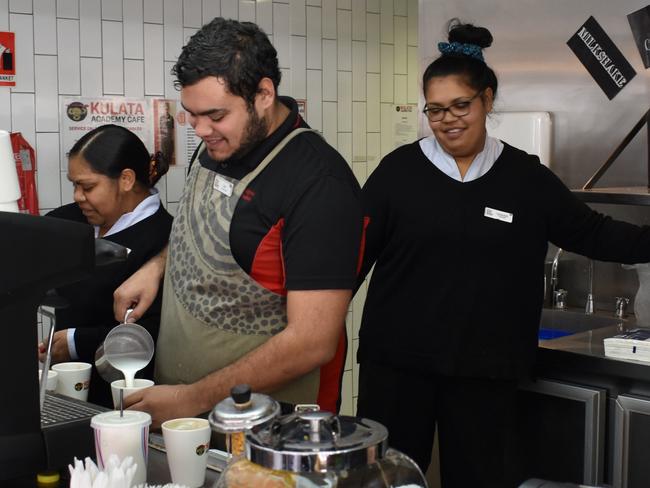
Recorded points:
(475,417)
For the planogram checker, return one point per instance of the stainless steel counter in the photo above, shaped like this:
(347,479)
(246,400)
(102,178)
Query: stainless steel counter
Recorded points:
(583,354)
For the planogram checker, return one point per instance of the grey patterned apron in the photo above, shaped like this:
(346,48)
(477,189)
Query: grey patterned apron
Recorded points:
(213,312)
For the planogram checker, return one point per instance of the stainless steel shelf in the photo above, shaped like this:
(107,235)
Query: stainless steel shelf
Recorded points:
(624,195)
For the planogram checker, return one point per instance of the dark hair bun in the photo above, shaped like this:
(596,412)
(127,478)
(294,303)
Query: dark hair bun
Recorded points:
(469,34)
(158,166)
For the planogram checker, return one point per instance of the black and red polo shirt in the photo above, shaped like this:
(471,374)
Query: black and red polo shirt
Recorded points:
(298,225)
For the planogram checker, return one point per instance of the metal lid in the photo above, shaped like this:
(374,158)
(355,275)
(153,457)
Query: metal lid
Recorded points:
(317,442)
(242,411)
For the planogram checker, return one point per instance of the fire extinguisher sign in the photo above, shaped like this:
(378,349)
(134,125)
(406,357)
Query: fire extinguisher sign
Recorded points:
(7,59)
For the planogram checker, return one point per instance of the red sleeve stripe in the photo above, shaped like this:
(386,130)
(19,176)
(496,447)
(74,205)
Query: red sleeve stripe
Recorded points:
(268,264)
(362,247)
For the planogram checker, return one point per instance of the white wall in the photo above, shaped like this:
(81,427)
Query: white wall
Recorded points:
(351,59)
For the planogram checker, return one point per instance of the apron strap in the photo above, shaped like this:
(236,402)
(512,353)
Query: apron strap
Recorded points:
(199,149)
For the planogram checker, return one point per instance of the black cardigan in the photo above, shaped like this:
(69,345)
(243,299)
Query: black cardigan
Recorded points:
(91,300)
(456,291)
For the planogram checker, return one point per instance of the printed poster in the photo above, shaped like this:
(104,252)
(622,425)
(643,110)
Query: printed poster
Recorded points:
(164,128)
(405,124)
(186,140)
(80,115)
(7,59)
(302,108)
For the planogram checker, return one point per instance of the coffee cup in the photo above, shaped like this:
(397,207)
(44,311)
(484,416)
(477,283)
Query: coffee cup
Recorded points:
(117,385)
(52,379)
(125,434)
(187,441)
(73,379)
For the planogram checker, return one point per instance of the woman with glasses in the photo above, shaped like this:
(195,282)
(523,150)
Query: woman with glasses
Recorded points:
(458,233)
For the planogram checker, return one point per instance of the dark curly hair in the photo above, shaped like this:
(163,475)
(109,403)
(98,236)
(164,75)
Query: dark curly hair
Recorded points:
(476,73)
(239,53)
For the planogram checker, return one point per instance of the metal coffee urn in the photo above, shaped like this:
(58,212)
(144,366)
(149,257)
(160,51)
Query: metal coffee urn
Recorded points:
(307,448)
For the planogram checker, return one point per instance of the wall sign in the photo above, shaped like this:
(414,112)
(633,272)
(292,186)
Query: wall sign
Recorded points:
(79,115)
(7,59)
(405,124)
(604,61)
(640,25)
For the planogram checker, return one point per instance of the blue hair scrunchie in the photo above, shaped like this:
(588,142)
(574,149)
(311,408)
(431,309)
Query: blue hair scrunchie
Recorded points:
(471,50)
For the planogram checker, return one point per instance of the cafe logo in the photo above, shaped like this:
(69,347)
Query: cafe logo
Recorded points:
(77,111)
(78,386)
(201,449)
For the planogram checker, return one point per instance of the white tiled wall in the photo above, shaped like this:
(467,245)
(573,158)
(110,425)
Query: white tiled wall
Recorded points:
(350,59)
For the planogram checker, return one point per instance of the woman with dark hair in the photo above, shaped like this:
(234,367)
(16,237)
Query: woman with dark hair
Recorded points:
(459,226)
(113,177)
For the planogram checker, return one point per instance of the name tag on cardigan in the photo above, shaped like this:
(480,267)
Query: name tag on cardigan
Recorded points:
(492,213)
(222,185)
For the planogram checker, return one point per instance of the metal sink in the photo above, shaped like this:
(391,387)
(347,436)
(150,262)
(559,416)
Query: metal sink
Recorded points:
(557,323)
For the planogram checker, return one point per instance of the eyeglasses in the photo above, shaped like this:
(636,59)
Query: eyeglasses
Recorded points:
(458,109)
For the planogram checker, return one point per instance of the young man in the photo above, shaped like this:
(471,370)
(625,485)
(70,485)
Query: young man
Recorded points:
(265,244)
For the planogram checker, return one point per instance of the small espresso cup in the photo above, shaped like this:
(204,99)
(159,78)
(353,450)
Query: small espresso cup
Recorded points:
(52,379)
(73,379)
(117,385)
(187,441)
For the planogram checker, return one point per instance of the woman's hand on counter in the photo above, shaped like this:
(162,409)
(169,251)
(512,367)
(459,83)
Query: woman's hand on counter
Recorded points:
(164,402)
(60,352)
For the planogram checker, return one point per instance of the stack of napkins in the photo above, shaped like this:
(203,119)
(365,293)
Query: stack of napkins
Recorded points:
(633,344)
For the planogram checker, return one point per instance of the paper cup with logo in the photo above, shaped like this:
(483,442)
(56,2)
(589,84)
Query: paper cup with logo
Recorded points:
(117,385)
(126,435)
(52,379)
(187,441)
(73,379)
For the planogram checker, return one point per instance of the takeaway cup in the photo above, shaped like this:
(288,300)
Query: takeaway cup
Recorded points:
(117,385)
(123,435)
(187,441)
(73,379)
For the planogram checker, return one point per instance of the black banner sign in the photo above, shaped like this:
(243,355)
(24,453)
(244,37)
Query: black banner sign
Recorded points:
(604,61)
(640,25)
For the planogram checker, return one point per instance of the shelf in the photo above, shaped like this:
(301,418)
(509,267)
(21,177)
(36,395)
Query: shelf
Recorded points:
(624,195)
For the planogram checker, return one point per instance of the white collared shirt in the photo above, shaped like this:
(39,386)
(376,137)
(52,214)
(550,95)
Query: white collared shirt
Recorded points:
(145,208)
(446,163)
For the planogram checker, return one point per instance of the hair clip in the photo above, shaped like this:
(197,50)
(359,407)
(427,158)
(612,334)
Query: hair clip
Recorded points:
(471,50)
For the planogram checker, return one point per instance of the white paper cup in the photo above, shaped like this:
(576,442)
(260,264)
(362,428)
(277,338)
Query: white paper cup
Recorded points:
(187,441)
(52,379)
(123,436)
(117,385)
(73,379)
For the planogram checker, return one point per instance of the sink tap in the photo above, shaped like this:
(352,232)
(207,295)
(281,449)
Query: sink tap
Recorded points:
(621,305)
(589,306)
(554,274)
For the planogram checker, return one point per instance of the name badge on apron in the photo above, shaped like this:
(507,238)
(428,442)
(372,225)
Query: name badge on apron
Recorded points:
(492,213)
(222,185)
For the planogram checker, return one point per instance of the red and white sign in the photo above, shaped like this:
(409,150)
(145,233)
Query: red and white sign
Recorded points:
(7,59)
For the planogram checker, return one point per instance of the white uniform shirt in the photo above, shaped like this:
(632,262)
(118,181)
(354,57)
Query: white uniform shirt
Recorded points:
(446,163)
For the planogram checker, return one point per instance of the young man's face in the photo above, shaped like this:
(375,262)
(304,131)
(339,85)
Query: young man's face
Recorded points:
(225,122)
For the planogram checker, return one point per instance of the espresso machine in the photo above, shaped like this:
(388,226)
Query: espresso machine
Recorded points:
(38,254)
